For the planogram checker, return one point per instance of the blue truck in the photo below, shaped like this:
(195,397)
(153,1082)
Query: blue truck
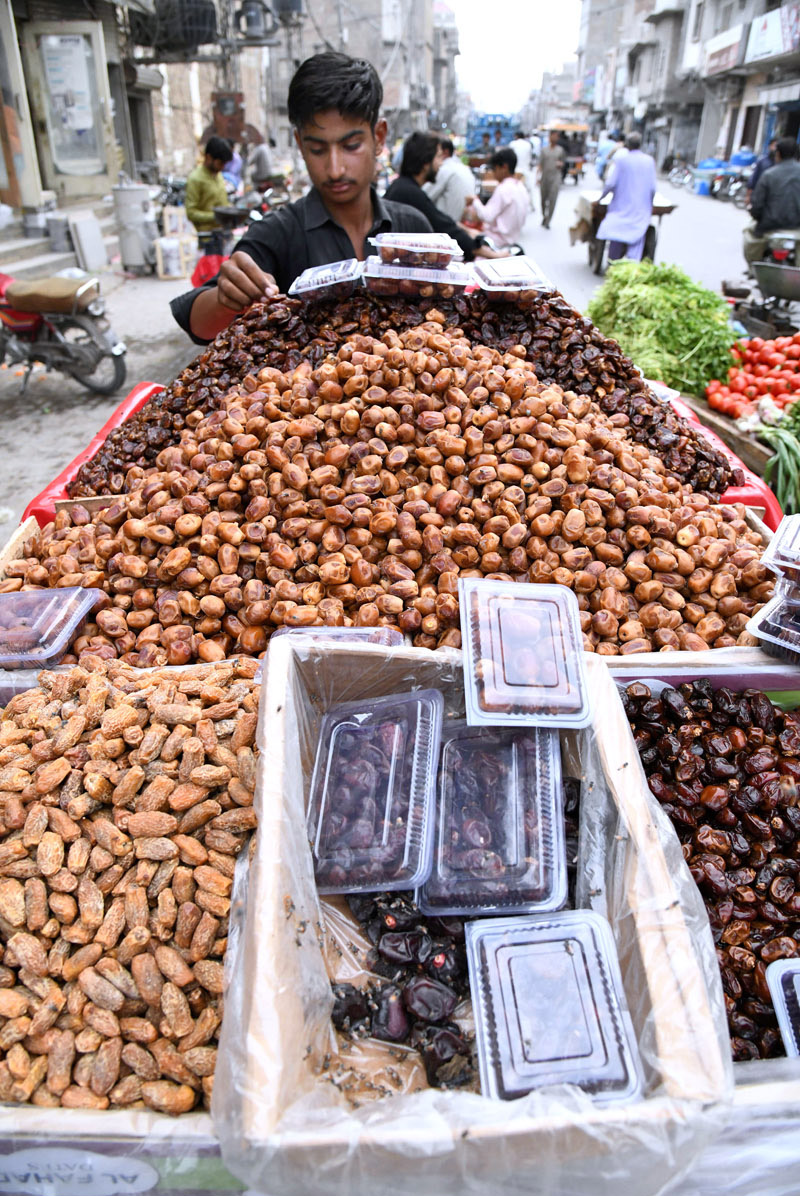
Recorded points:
(479,123)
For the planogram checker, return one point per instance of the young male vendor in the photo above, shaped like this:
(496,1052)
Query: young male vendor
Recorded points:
(334,106)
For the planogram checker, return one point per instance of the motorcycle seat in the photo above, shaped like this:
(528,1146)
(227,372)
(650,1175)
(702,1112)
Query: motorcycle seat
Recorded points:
(51,294)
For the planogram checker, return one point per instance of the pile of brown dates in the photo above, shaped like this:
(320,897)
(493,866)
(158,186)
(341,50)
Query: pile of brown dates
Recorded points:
(563,347)
(725,767)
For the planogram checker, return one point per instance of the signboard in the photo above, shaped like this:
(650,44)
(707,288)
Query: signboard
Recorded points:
(775,33)
(724,51)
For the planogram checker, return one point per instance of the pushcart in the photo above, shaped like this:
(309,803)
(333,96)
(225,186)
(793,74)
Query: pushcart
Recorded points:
(590,211)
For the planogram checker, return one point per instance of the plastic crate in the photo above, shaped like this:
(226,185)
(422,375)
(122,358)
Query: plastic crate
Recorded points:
(42,507)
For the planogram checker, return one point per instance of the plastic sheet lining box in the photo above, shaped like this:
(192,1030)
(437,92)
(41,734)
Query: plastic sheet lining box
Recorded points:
(287,1129)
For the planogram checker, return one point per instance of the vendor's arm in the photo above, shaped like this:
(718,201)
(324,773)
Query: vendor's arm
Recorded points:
(240,282)
(196,197)
(610,181)
(488,212)
(257,269)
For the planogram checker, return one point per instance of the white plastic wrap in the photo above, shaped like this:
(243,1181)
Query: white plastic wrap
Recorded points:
(758,1152)
(284,1127)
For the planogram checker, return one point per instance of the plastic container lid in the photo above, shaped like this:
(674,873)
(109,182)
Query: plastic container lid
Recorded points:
(783,978)
(339,278)
(38,626)
(777,626)
(499,836)
(782,554)
(436,250)
(523,654)
(506,277)
(382,279)
(372,793)
(550,1008)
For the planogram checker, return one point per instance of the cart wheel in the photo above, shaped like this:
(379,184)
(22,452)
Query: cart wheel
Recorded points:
(596,255)
(650,239)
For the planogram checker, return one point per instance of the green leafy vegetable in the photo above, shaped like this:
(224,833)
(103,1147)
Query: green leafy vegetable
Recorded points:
(784,467)
(674,330)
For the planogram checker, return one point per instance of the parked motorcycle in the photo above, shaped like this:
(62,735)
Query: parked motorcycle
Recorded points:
(60,323)
(777,278)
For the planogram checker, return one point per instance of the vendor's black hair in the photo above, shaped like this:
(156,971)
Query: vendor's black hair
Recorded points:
(333,81)
(447,145)
(786,148)
(504,157)
(418,152)
(219,148)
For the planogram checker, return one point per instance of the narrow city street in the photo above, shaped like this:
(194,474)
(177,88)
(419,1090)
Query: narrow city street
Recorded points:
(702,235)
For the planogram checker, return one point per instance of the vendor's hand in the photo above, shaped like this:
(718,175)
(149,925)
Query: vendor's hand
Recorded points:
(241,282)
(485,251)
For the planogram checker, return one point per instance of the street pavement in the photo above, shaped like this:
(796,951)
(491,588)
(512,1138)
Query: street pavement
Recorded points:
(44,429)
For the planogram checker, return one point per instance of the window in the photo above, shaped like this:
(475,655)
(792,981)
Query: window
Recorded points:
(724,19)
(698,22)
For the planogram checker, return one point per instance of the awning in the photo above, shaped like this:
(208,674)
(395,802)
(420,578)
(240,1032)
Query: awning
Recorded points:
(146,78)
(780,93)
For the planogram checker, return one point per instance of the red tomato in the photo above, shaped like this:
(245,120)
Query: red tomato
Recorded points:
(775,359)
(761,370)
(757,343)
(751,392)
(738,384)
(780,387)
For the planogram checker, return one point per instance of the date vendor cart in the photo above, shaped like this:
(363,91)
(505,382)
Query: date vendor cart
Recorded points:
(590,210)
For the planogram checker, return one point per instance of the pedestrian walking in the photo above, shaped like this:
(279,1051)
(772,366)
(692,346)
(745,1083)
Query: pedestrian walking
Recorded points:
(205,190)
(631,181)
(524,151)
(551,162)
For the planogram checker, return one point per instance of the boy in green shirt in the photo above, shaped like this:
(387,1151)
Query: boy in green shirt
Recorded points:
(205,187)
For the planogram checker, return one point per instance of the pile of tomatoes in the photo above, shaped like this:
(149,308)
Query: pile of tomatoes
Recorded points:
(765,368)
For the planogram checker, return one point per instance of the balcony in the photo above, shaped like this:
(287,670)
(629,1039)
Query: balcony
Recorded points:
(666,8)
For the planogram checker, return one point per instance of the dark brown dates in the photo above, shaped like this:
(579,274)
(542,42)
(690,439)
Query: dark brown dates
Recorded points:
(731,793)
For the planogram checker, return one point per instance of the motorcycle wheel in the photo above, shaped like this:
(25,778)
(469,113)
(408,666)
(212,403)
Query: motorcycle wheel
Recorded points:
(92,363)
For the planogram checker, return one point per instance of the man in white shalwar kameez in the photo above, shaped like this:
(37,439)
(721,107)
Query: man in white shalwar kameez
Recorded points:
(632,183)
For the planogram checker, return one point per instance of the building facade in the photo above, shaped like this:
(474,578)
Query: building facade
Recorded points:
(696,77)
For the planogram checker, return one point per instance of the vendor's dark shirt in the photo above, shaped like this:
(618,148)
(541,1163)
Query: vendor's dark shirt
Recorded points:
(776,199)
(408,191)
(300,235)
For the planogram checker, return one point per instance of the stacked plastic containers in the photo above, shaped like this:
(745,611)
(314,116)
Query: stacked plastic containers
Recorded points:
(36,630)
(777,625)
(517,280)
(337,280)
(546,987)
(783,978)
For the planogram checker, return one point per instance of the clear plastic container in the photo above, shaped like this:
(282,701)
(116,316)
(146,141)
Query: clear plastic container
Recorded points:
(777,626)
(523,654)
(512,279)
(413,282)
(550,1008)
(38,626)
(16,681)
(499,835)
(335,281)
(782,554)
(432,250)
(372,793)
(783,978)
